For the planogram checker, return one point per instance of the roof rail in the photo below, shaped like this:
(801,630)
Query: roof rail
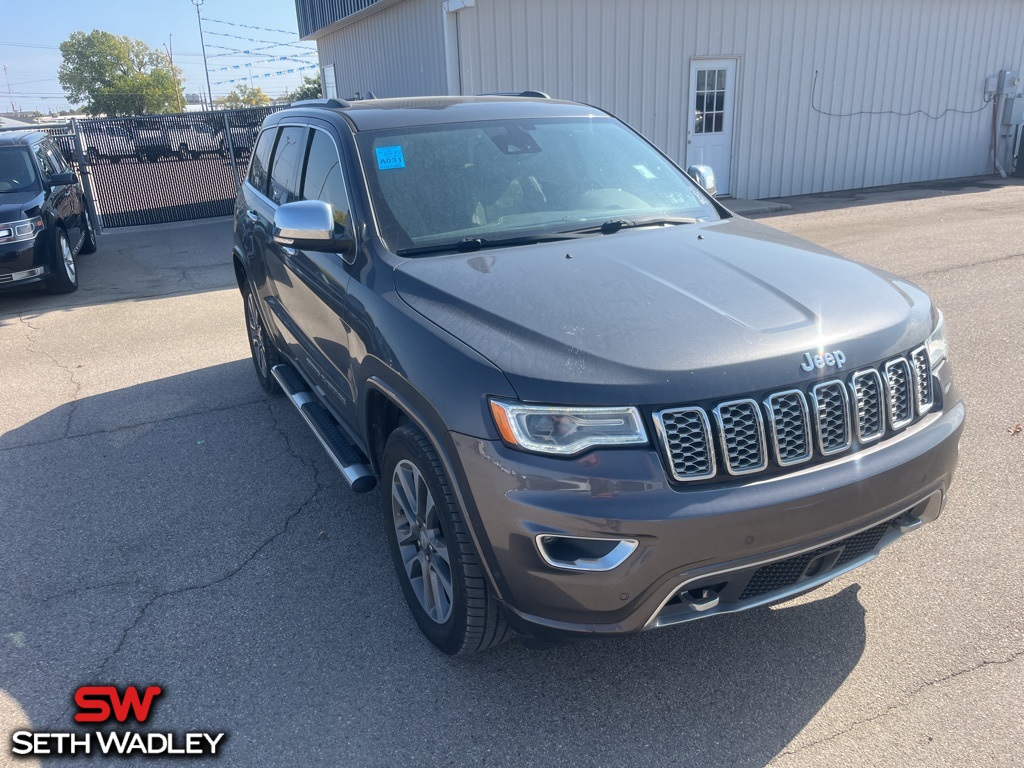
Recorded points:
(522,94)
(325,103)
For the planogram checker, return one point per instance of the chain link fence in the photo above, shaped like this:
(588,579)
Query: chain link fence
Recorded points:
(153,170)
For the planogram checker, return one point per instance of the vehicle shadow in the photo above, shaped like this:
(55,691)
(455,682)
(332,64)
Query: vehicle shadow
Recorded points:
(138,264)
(196,537)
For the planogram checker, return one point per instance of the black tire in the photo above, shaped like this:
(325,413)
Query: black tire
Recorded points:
(93,156)
(89,244)
(264,353)
(183,153)
(64,277)
(473,621)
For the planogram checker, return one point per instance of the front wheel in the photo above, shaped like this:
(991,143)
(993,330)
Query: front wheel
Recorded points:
(65,273)
(89,244)
(93,156)
(264,354)
(436,562)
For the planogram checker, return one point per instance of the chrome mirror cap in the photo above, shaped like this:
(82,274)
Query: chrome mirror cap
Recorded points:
(305,221)
(705,176)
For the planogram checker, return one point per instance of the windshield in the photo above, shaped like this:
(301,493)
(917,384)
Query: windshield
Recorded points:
(17,171)
(501,179)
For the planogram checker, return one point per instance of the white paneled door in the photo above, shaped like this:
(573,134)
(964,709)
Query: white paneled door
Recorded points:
(709,133)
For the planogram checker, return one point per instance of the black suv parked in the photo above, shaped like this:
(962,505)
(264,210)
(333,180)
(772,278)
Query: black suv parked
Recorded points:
(44,223)
(598,401)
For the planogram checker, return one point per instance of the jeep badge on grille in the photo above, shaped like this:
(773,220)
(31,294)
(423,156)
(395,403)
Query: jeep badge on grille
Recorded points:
(833,359)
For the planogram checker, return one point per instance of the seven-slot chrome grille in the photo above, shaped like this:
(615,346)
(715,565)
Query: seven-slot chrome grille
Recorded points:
(741,433)
(898,384)
(793,425)
(790,426)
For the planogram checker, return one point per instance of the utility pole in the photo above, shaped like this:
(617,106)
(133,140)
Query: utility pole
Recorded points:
(209,91)
(174,75)
(10,93)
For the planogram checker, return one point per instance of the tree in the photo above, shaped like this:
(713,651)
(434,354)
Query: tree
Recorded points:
(310,88)
(117,75)
(244,96)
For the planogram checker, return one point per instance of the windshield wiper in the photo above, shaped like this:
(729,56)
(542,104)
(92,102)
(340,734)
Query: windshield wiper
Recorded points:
(469,244)
(613,226)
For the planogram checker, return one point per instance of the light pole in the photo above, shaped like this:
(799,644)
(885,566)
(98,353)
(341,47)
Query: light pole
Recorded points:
(206,68)
(174,76)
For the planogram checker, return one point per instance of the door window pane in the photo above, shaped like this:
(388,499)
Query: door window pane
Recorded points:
(710,101)
(284,172)
(45,164)
(261,160)
(324,179)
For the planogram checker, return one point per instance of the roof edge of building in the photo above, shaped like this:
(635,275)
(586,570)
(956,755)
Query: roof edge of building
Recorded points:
(362,13)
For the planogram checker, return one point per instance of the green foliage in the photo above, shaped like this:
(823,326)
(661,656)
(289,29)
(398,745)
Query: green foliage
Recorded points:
(310,89)
(244,96)
(117,75)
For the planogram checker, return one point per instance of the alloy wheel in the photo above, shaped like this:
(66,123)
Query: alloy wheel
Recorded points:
(68,257)
(259,351)
(421,541)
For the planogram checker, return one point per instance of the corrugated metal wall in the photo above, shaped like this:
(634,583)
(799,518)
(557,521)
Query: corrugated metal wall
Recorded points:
(633,58)
(398,51)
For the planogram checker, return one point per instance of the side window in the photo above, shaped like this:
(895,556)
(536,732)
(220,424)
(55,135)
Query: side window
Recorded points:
(45,164)
(284,170)
(56,157)
(260,162)
(324,179)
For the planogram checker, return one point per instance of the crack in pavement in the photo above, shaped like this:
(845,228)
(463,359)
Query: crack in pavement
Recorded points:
(903,701)
(318,488)
(64,367)
(153,598)
(958,267)
(112,430)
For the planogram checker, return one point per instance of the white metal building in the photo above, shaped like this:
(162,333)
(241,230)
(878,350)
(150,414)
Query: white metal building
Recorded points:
(780,97)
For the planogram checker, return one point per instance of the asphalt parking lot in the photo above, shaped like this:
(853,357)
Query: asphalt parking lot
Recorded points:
(164,522)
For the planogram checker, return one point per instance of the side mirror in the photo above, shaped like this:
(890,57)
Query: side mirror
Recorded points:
(309,225)
(63,179)
(704,176)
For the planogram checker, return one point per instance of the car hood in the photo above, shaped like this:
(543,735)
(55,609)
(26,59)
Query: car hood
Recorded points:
(16,205)
(666,315)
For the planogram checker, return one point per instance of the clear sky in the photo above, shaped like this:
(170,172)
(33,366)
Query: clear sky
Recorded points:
(30,34)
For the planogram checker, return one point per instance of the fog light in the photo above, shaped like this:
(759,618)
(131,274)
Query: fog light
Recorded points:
(581,553)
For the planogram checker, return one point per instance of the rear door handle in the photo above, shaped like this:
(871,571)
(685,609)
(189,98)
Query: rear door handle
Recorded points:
(253,216)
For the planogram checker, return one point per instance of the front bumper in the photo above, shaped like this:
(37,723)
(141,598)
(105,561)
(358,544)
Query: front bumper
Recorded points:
(692,538)
(23,263)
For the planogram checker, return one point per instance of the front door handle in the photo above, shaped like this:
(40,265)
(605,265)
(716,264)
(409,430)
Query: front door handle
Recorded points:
(253,216)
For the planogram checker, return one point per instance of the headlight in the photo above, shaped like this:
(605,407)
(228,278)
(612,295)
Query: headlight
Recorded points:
(563,430)
(936,344)
(16,231)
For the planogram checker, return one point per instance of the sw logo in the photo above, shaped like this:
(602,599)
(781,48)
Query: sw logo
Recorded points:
(101,704)
(97,703)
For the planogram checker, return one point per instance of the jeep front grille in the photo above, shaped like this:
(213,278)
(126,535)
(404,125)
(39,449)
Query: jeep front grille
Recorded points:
(686,435)
(897,384)
(742,434)
(824,419)
(790,426)
(922,380)
(831,416)
(867,402)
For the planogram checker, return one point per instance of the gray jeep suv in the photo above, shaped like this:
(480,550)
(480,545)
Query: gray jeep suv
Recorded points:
(596,400)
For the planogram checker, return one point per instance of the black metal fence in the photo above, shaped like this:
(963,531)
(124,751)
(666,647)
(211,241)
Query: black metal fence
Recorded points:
(151,170)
